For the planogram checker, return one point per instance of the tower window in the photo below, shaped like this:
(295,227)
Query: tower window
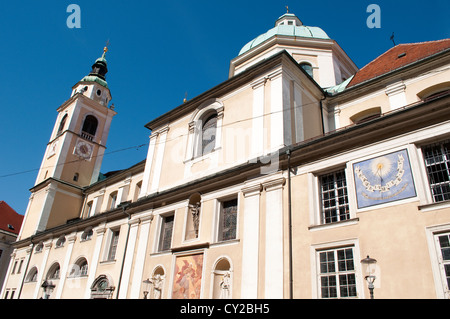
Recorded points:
(89,127)
(61,125)
(308,68)
(75,177)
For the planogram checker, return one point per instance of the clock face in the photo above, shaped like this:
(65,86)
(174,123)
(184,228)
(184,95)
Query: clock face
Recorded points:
(383,179)
(52,149)
(83,149)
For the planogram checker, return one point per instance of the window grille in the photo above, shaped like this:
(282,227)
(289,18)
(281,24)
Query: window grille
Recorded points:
(334,197)
(228,220)
(166,233)
(444,245)
(437,162)
(337,278)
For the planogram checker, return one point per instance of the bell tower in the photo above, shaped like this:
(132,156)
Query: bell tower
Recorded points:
(74,153)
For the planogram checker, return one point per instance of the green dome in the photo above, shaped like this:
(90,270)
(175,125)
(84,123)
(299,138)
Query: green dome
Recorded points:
(286,30)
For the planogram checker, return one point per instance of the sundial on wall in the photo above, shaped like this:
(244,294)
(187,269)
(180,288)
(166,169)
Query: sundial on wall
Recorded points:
(383,179)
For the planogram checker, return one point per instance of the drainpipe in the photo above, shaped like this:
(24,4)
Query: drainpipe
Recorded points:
(321,114)
(291,272)
(26,267)
(124,206)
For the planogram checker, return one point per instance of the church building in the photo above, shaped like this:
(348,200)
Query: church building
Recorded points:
(301,176)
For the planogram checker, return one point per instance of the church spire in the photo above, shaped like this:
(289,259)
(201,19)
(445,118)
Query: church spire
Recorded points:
(99,70)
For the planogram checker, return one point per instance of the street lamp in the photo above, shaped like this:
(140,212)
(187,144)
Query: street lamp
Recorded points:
(147,285)
(48,289)
(369,272)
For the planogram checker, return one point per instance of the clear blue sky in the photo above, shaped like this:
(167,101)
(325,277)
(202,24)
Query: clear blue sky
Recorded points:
(158,51)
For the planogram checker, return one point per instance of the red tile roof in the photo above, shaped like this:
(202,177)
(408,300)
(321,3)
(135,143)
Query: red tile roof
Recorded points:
(10,221)
(397,57)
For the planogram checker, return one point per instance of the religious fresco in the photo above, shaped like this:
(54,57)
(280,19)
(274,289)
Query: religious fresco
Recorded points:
(188,277)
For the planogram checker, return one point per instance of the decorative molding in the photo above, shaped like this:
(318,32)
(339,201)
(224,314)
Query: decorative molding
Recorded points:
(275,75)
(252,190)
(260,82)
(395,88)
(71,238)
(274,184)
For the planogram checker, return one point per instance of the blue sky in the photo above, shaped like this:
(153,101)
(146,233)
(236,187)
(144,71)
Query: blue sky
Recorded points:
(158,51)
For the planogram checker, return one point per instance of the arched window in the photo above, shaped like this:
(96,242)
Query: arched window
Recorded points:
(87,234)
(89,127)
(366,115)
(39,247)
(62,124)
(208,135)
(308,68)
(205,129)
(32,275)
(61,241)
(434,91)
(54,272)
(102,288)
(80,268)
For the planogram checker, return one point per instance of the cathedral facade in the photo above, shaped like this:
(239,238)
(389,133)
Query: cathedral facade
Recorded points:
(278,183)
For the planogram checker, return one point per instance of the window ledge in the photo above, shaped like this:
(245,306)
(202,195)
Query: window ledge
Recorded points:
(196,159)
(225,242)
(434,206)
(161,253)
(78,277)
(347,222)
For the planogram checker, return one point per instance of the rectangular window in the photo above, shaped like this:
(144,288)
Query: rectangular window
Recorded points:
(113,200)
(20,266)
(337,277)
(437,163)
(228,220)
(14,267)
(113,245)
(334,197)
(89,209)
(444,249)
(166,233)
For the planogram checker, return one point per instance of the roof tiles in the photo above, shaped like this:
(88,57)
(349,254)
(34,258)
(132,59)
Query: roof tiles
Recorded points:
(397,57)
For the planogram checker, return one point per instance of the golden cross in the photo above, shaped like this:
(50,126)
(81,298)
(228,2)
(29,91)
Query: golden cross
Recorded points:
(287,9)
(105,49)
